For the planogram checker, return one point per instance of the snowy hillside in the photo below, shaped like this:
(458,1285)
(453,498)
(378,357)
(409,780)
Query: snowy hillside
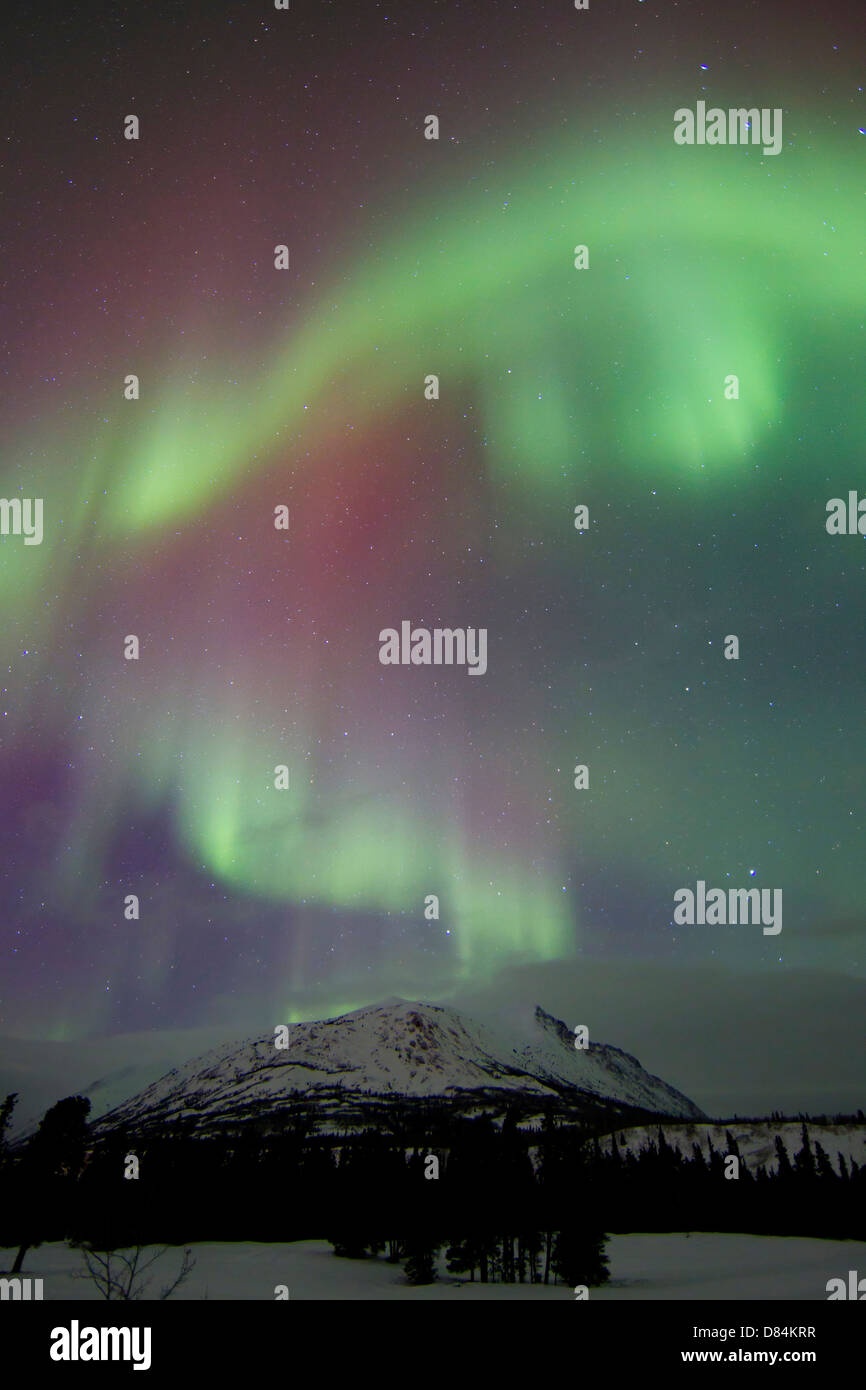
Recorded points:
(399,1049)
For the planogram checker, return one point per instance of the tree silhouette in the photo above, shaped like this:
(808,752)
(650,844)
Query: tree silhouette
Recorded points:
(48,1172)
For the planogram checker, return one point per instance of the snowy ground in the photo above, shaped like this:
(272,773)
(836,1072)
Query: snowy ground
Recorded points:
(699,1266)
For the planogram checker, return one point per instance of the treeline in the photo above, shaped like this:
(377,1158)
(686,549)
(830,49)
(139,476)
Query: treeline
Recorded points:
(502,1202)
(662,1189)
(482,1203)
(496,1214)
(574,1256)
(778,1117)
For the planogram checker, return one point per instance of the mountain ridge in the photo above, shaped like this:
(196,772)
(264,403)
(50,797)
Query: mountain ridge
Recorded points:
(414,1051)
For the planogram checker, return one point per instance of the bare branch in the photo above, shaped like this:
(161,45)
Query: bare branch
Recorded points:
(130,1284)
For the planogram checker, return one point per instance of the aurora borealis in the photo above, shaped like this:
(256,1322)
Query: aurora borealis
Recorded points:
(304,388)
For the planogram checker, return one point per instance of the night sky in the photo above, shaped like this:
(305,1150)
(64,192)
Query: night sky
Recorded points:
(558,387)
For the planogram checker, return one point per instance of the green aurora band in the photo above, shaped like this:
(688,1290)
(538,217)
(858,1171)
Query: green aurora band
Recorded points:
(701,260)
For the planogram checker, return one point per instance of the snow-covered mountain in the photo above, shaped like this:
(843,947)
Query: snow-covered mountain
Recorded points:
(344,1069)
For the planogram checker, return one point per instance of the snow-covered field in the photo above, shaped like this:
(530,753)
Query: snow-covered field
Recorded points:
(699,1266)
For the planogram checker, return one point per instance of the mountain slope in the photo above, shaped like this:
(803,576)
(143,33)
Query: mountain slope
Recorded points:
(399,1049)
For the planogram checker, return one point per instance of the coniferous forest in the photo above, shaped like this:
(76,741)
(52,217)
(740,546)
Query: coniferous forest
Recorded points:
(503,1203)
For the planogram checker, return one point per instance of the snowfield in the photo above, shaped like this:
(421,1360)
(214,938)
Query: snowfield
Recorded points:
(679,1266)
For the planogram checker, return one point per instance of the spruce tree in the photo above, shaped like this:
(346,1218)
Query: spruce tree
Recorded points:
(579,1256)
(804,1162)
(5,1117)
(420,1265)
(785,1170)
(50,1167)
